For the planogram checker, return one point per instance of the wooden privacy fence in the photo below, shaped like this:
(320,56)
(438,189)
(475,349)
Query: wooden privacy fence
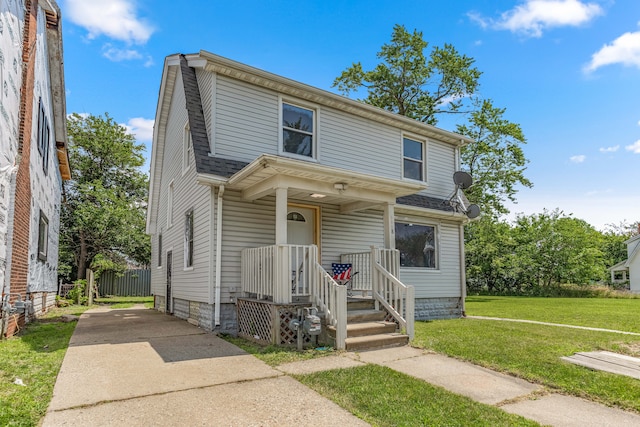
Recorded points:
(133,283)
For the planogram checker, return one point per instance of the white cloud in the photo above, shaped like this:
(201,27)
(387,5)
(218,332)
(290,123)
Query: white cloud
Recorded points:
(141,128)
(609,149)
(116,19)
(115,54)
(534,16)
(578,159)
(634,148)
(624,50)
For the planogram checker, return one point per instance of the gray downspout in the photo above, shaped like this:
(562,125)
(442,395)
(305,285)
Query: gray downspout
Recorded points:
(463,273)
(218,256)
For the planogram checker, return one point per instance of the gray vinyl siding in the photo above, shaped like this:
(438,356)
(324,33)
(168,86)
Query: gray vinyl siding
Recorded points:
(445,280)
(245,225)
(246,120)
(345,140)
(189,284)
(441,163)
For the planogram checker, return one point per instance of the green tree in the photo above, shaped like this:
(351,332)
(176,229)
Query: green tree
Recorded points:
(409,83)
(406,83)
(495,159)
(103,219)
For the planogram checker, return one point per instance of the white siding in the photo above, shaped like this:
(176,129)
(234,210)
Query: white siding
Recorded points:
(440,168)
(246,120)
(345,140)
(191,284)
(445,280)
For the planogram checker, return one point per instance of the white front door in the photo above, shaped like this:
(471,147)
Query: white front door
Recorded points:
(301,230)
(301,226)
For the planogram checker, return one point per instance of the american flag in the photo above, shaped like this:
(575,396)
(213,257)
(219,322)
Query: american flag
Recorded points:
(341,271)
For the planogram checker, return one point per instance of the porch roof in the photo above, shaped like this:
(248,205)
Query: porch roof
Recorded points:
(621,266)
(340,186)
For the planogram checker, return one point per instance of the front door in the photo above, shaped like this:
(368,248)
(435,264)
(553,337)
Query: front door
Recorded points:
(168,308)
(302,229)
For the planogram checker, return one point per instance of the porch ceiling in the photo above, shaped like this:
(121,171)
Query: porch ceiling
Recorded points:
(351,190)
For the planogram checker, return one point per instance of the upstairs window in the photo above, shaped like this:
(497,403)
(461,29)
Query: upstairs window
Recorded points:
(413,159)
(188,239)
(187,149)
(170,205)
(43,137)
(43,237)
(159,250)
(298,130)
(417,245)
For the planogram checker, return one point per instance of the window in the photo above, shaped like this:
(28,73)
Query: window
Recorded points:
(43,137)
(413,159)
(187,149)
(417,245)
(159,250)
(188,239)
(170,205)
(43,237)
(297,130)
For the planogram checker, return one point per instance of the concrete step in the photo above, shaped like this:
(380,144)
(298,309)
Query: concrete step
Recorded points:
(368,315)
(365,328)
(371,342)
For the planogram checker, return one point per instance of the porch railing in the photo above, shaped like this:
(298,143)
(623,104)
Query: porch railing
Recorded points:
(389,259)
(331,299)
(280,272)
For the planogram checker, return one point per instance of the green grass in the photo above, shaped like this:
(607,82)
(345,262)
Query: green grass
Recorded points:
(383,397)
(607,313)
(35,356)
(273,355)
(125,302)
(533,352)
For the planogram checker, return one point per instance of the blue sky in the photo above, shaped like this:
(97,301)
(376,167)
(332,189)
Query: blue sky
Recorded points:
(568,71)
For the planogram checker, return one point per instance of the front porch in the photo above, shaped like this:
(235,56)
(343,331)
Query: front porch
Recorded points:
(277,280)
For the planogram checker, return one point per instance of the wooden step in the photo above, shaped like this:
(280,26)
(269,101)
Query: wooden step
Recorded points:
(365,328)
(359,316)
(360,304)
(371,342)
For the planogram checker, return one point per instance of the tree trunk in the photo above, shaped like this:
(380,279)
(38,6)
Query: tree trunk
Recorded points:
(82,259)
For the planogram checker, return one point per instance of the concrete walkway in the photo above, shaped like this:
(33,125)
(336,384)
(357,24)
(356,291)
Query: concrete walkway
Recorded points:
(138,367)
(483,385)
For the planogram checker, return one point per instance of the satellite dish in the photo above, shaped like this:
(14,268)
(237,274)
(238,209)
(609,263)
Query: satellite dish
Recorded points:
(462,179)
(473,211)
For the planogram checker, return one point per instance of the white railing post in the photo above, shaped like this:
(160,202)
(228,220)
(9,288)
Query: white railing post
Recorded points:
(410,312)
(341,316)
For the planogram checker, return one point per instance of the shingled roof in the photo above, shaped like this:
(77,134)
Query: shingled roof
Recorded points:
(205,162)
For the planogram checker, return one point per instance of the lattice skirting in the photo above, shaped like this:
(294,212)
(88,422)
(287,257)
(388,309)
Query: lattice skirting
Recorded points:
(266,322)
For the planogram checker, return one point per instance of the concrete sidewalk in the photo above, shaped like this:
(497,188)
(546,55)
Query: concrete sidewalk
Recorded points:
(137,367)
(483,385)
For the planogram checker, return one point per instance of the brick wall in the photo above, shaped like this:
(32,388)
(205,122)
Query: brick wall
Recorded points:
(22,205)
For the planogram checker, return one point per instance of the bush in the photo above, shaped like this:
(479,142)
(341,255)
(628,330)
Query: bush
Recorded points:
(78,294)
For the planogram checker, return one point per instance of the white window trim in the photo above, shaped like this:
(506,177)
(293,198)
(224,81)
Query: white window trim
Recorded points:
(170,191)
(316,131)
(438,242)
(425,150)
(188,157)
(185,243)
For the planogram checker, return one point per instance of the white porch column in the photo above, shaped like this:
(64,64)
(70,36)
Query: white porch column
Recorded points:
(281,216)
(389,226)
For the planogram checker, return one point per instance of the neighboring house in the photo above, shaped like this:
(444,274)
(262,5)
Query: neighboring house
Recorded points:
(33,154)
(259,183)
(629,269)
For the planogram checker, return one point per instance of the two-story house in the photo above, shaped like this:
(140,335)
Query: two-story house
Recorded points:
(33,155)
(260,183)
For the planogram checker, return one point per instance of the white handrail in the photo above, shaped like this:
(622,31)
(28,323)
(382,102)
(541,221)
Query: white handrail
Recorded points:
(331,298)
(396,297)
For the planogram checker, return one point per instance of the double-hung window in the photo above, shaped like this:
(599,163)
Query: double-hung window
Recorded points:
(413,159)
(417,245)
(298,130)
(159,250)
(43,136)
(188,239)
(43,237)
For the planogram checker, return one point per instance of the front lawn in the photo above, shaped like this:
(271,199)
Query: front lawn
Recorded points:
(34,359)
(533,352)
(607,313)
